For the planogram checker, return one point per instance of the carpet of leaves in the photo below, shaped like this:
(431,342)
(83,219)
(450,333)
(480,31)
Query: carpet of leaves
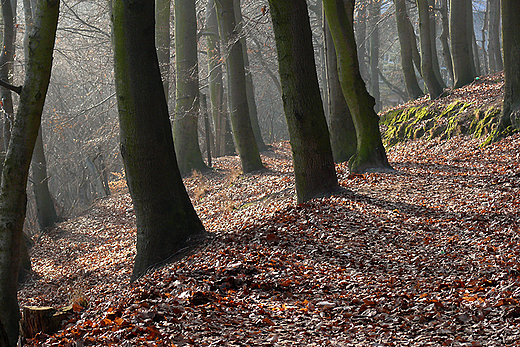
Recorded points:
(425,256)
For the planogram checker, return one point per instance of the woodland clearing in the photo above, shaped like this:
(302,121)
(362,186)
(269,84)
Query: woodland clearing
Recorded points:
(424,256)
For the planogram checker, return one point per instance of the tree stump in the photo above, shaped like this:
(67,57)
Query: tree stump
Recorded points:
(45,320)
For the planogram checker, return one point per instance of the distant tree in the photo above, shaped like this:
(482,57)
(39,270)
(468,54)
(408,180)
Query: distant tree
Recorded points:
(162,40)
(461,38)
(374,15)
(433,33)
(15,172)
(361,36)
(430,78)
(312,155)
(495,53)
(511,44)
(444,37)
(405,31)
(185,124)
(341,127)
(237,93)
(370,154)
(166,220)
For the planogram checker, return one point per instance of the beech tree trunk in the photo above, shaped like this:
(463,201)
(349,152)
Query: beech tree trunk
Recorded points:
(237,93)
(461,37)
(370,154)
(495,53)
(314,170)
(374,13)
(444,37)
(13,183)
(361,39)
(403,29)
(185,125)
(162,41)
(166,220)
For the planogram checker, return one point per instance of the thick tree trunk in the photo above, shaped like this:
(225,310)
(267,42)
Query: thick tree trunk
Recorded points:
(13,196)
(44,204)
(312,155)
(370,155)
(495,54)
(403,29)
(444,37)
(510,30)
(162,41)
(250,87)
(461,36)
(185,126)
(341,127)
(237,92)
(166,220)
(432,83)
(374,13)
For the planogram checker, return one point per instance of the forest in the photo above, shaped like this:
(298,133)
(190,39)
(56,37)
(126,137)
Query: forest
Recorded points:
(259,173)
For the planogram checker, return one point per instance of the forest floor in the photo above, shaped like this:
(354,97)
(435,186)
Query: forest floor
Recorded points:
(425,256)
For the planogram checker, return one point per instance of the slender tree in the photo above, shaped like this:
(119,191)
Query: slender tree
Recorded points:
(312,155)
(495,53)
(162,40)
(185,125)
(444,38)
(16,167)
(461,37)
(370,154)
(374,15)
(237,93)
(361,37)
(166,220)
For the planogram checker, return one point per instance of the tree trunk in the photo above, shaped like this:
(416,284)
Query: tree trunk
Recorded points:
(185,125)
(433,33)
(444,37)
(510,30)
(495,53)
(361,39)
(312,155)
(44,203)
(432,83)
(370,155)
(250,87)
(461,36)
(374,13)
(13,196)
(166,220)
(162,41)
(341,127)
(403,28)
(237,92)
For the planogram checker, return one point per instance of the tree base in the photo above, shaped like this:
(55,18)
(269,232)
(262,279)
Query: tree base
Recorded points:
(45,320)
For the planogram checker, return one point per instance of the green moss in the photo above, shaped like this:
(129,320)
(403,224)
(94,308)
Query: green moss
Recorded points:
(483,124)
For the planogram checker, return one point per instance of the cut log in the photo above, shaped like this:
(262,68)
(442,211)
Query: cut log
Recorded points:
(47,320)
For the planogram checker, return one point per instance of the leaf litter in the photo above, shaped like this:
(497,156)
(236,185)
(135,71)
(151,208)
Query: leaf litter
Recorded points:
(424,256)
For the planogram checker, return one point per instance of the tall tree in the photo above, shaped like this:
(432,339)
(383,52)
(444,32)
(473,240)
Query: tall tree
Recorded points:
(16,167)
(461,37)
(361,36)
(237,93)
(185,125)
(433,33)
(166,220)
(495,53)
(341,127)
(511,44)
(404,29)
(162,40)
(312,155)
(370,154)
(444,38)
(250,87)
(430,78)
(374,14)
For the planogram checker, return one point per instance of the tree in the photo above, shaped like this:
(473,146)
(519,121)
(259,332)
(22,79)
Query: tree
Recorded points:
(444,38)
(495,53)
(166,220)
(405,31)
(430,78)
(312,155)
(162,40)
(374,15)
(461,38)
(511,44)
(13,183)
(185,125)
(341,126)
(370,154)
(237,93)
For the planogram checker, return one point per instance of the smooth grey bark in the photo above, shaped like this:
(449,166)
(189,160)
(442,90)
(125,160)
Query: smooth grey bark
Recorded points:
(495,53)
(166,220)
(430,78)
(433,33)
(405,41)
(444,38)
(6,66)
(361,39)
(162,41)
(374,14)
(461,38)
(245,141)
(313,164)
(185,125)
(45,209)
(341,127)
(250,87)
(370,153)
(13,197)
(511,44)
